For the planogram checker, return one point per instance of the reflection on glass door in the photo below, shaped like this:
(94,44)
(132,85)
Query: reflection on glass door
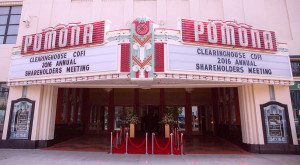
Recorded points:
(94,119)
(105,117)
(181,118)
(195,118)
(4,89)
(127,110)
(98,119)
(150,118)
(118,117)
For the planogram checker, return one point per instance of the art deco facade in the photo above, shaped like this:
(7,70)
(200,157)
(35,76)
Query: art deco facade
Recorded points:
(221,66)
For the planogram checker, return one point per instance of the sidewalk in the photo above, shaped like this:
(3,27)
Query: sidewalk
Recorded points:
(50,157)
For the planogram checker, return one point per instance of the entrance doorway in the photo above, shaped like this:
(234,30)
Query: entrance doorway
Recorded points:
(200,113)
(150,118)
(98,121)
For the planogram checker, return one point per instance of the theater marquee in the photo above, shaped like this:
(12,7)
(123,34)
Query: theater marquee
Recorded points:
(87,60)
(213,60)
(227,34)
(221,51)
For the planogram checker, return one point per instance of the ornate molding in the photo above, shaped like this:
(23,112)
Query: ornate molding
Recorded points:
(10,3)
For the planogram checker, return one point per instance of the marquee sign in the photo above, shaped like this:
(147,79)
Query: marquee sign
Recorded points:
(203,59)
(223,51)
(64,36)
(88,60)
(227,34)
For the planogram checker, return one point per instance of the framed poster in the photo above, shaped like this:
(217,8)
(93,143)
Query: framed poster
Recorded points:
(20,121)
(276,123)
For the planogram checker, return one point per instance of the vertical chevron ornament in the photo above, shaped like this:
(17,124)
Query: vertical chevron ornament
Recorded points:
(142,48)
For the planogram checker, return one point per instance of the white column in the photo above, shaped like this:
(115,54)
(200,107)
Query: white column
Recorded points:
(248,115)
(128,12)
(97,4)
(244,119)
(161,12)
(257,19)
(46,119)
(194,9)
(234,10)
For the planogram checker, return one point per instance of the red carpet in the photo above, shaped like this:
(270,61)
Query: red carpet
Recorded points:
(192,145)
(137,145)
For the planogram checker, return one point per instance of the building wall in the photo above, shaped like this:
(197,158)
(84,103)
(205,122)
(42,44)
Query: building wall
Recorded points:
(5,57)
(251,97)
(282,16)
(45,98)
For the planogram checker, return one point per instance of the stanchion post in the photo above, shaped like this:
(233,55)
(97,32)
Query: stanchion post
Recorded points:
(181,143)
(146,143)
(175,136)
(117,138)
(126,142)
(177,140)
(153,143)
(111,141)
(121,135)
(176,129)
(172,144)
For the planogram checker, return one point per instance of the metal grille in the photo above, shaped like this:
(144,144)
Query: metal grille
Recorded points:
(159,57)
(125,57)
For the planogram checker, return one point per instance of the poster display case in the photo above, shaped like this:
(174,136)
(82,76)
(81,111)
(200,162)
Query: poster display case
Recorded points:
(276,123)
(21,116)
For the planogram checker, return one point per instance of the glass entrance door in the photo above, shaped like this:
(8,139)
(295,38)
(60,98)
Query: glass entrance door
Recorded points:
(149,118)
(120,116)
(98,119)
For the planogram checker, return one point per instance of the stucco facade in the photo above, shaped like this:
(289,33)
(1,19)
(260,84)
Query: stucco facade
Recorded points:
(280,16)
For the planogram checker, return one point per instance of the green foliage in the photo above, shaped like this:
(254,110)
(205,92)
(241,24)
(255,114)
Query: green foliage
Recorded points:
(168,118)
(180,110)
(132,118)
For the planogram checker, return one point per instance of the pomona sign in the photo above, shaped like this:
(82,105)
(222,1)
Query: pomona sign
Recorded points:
(227,34)
(64,36)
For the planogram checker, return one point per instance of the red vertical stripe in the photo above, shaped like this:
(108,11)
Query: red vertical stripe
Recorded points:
(159,57)
(125,57)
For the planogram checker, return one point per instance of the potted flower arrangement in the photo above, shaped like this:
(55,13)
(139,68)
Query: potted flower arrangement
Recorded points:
(167,119)
(132,119)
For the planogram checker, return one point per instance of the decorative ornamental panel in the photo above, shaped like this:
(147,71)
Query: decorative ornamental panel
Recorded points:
(276,123)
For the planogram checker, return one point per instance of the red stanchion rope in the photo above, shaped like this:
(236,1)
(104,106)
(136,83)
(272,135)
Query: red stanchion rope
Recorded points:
(137,146)
(115,144)
(160,148)
(174,147)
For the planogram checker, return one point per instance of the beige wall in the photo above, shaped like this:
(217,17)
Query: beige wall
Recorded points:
(5,57)
(251,97)
(282,16)
(45,98)
(14,93)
